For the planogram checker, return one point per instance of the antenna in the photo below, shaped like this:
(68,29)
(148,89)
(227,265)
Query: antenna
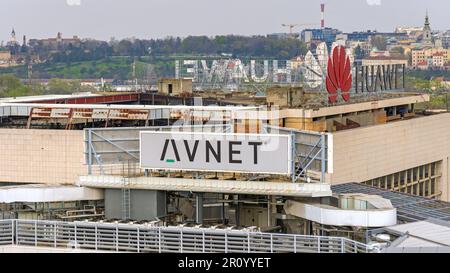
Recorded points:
(322,15)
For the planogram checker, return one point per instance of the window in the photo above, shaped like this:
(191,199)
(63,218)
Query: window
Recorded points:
(422,180)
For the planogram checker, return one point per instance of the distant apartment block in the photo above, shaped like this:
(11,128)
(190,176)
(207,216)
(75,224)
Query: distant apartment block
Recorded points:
(429,57)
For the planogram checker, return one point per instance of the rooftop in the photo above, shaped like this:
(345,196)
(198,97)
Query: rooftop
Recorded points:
(409,208)
(428,233)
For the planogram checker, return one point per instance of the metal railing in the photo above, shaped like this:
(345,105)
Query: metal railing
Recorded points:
(144,238)
(6,232)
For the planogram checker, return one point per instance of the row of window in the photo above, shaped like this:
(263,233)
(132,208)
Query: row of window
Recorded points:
(422,181)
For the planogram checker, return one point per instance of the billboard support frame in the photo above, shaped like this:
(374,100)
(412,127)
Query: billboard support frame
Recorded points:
(309,150)
(293,152)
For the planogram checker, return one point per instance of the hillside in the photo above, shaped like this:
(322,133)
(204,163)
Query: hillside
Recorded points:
(119,68)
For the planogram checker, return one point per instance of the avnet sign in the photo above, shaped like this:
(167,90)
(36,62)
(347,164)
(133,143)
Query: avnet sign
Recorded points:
(251,153)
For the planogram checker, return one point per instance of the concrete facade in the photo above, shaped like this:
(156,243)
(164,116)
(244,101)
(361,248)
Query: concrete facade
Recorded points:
(366,153)
(426,55)
(384,61)
(41,156)
(285,96)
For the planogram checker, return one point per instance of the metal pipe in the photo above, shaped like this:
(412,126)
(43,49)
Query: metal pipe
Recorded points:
(199,208)
(89,132)
(323,162)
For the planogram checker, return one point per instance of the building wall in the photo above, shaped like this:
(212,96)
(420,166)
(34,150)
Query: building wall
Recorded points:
(420,55)
(366,153)
(41,156)
(327,123)
(179,86)
(381,61)
(5,56)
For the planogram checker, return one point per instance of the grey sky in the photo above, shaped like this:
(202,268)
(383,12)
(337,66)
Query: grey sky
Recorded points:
(103,19)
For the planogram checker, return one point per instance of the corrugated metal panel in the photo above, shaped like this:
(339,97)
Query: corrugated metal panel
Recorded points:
(430,231)
(416,242)
(165,113)
(14,111)
(409,207)
(24,111)
(5,111)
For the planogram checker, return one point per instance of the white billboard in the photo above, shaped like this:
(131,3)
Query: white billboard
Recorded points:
(197,151)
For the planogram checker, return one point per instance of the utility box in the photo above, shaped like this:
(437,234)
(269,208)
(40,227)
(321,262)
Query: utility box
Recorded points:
(253,216)
(143,204)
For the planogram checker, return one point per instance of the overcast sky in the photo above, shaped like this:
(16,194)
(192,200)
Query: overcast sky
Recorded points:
(103,19)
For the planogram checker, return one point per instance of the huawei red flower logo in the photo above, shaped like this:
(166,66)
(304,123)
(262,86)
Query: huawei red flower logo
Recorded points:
(339,76)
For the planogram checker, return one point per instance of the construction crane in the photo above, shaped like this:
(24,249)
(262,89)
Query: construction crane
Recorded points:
(292,26)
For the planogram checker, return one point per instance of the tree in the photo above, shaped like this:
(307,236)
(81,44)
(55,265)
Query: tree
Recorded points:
(359,53)
(61,86)
(10,86)
(379,42)
(399,51)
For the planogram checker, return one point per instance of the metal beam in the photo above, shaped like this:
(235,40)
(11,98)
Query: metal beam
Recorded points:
(199,208)
(116,145)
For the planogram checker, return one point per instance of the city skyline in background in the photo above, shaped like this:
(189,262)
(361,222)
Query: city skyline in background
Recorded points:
(102,19)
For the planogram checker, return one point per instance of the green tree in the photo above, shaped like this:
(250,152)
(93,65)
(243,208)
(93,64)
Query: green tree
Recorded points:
(358,52)
(61,86)
(379,42)
(10,86)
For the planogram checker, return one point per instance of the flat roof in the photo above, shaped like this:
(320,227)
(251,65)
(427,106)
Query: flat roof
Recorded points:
(410,208)
(423,233)
(47,97)
(359,104)
(130,107)
(370,103)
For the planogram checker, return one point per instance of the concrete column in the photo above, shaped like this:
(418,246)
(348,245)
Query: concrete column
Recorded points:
(223,209)
(273,211)
(238,212)
(199,208)
(444,183)
(405,184)
(269,212)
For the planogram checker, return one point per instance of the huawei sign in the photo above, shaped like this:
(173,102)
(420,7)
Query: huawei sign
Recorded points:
(339,75)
